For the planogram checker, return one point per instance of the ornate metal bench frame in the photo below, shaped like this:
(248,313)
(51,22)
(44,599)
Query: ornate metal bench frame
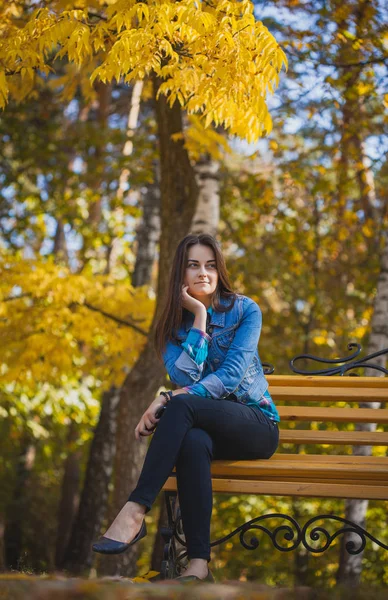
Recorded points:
(288,535)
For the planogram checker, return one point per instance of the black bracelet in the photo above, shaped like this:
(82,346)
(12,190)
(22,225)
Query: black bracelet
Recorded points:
(168,395)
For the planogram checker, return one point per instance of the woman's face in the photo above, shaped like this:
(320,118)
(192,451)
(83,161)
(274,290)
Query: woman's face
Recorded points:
(201,271)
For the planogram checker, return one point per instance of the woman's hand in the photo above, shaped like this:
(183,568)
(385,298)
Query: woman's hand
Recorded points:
(193,305)
(148,421)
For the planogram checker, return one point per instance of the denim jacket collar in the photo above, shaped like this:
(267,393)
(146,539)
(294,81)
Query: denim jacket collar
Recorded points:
(217,318)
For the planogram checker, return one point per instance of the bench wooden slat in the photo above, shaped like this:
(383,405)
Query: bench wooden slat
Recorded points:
(362,438)
(344,459)
(338,415)
(260,469)
(337,394)
(348,460)
(327,382)
(284,488)
(326,480)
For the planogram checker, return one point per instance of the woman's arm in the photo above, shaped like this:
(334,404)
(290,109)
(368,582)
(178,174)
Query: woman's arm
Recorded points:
(225,380)
(184,363)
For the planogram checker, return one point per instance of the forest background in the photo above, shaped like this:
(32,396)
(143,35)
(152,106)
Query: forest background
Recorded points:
(99,180)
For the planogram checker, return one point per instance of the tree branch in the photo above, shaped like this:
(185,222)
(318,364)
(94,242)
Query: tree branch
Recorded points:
(95,309)
(113,317)
(372,61)
(14,297)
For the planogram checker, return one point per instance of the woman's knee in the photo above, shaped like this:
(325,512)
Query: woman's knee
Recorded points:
(195,443)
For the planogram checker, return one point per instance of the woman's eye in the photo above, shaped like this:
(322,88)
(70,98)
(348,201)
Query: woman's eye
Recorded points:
(208,266)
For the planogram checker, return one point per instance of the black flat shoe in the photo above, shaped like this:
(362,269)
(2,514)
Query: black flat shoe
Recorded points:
(107,546)
(188,578)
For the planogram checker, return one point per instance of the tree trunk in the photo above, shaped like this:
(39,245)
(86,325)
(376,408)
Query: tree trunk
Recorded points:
(69,495)
(13,530)
(2,553)
(179,194)
(207,215)
(148,233)
(104,92)
(94,499)
(60,247)
(353,136)
(350,566)
(378,339)
(96,170)
(133,118)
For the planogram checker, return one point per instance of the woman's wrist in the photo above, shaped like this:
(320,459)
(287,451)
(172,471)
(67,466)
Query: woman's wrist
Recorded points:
(200,309)
(200,320)
(180,391)
(167,396)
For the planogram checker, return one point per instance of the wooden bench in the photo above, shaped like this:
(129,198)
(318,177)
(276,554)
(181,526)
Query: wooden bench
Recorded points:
(306,405)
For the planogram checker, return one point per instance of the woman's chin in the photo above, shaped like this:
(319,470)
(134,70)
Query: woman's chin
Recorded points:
(200,294)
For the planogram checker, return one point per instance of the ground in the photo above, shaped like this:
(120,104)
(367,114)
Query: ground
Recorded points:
(23,587)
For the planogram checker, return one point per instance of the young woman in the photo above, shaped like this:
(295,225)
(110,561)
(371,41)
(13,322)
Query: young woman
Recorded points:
(207,336)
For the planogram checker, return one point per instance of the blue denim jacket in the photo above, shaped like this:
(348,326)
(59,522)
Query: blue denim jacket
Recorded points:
(233,364)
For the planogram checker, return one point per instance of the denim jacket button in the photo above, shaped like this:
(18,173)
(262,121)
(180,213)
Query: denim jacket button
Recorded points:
(210,330)
(216,360)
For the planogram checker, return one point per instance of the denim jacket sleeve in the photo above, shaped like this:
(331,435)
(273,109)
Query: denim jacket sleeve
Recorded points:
(239,356)
(181,367)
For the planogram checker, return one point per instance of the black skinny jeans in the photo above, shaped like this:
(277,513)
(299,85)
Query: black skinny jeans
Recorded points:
(191,433)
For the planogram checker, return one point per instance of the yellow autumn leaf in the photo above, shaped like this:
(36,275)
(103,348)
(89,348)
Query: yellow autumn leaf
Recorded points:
(215,60)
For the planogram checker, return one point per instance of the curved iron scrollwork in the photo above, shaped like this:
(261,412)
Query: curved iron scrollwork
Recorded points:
(289,533)
(283,534)
(348,362)
(352,548)
(267,368)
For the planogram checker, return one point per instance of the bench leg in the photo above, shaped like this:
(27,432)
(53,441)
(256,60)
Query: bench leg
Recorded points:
(175,554)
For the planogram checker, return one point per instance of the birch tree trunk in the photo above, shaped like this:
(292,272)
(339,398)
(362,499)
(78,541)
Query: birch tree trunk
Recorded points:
(148,233)
(97,171)
(132,124)
(60,247)
(207,215)
(354,134)
(350,566)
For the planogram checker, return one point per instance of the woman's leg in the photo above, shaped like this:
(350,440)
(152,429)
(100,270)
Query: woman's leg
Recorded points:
(246,433)
(159,462)
(232,426)
(195,491)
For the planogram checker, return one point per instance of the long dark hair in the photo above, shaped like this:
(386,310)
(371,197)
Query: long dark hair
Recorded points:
(173,312)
